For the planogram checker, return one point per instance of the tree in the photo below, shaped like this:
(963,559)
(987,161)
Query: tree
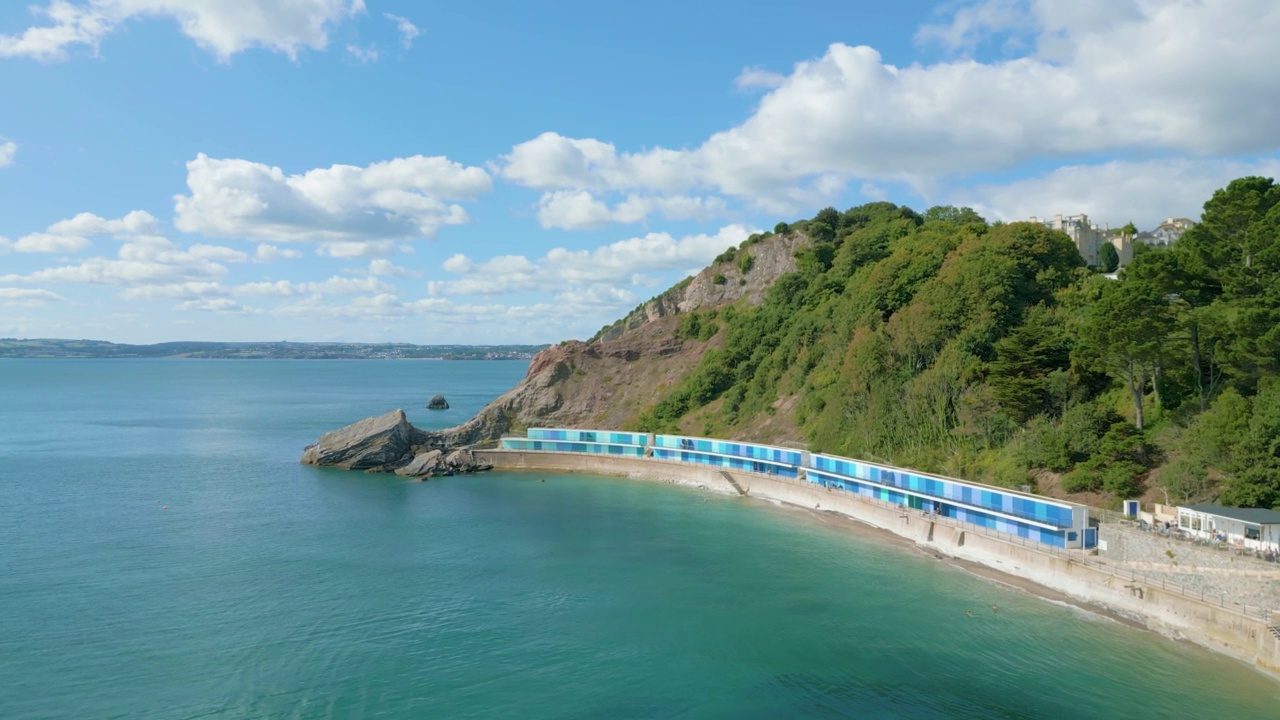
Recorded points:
(821,232)
(1024,360)
(1257,482)
(828,215)
(951,213)
(1124,331)
(1108,258)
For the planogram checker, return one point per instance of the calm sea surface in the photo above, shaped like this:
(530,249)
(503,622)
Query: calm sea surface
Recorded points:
(164,555)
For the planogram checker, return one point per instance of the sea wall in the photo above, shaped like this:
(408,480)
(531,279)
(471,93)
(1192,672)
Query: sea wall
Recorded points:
(1222,629)
(1214,573)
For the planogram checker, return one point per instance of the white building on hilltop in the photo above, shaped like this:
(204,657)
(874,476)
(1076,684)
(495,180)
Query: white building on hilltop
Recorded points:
(1167,232)
(1088,237)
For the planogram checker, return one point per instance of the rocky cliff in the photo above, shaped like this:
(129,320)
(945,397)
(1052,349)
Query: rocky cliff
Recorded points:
(602,383)
(609,380)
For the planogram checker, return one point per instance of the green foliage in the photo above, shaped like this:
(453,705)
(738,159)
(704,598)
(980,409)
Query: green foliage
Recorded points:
(952,214)
(821,232)
(1108,258)
(1121,457)
(1185,481)
(1028,376)
(698,326)
(782,228)
(942,342)
(718,279)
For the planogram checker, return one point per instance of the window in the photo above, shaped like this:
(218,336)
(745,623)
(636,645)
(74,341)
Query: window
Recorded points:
(1195,522)
(1251,532)
(1184,521)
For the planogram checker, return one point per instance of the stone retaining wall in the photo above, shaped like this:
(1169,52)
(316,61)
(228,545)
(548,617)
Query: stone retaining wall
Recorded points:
(1216,574)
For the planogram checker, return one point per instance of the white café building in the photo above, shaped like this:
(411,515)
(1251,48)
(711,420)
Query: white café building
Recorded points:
(1254,528)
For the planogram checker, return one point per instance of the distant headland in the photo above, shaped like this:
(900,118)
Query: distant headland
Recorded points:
(57,348)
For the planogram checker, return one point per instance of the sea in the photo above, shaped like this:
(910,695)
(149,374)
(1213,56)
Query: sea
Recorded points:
(163,554)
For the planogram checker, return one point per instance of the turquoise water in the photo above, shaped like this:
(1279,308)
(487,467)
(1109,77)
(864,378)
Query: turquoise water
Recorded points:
(269,589)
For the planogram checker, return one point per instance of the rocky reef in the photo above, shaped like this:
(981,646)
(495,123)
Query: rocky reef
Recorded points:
(390,443)
(437,402)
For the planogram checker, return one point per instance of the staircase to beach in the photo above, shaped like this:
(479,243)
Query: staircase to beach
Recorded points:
(725,474)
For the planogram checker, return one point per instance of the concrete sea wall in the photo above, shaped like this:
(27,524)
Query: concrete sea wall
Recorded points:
(1070,572)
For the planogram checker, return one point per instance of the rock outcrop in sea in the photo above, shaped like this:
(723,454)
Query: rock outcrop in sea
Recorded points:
(390,443)
(437,402)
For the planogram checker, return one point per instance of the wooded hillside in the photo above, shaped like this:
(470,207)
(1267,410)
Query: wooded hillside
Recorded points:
(989,351)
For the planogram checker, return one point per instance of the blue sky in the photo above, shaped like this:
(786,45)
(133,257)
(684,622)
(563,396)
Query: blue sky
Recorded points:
(526,172)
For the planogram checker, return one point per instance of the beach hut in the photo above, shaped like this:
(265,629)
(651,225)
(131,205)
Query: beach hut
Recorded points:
(1254,528)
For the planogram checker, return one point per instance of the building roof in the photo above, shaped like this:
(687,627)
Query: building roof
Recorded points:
(1253,516)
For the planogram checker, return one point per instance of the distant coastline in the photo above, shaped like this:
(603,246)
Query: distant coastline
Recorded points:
(50,348)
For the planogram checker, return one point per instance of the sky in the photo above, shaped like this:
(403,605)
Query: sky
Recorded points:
(511,172)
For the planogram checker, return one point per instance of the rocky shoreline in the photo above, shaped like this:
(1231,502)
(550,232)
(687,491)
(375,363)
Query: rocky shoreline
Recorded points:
(391,444)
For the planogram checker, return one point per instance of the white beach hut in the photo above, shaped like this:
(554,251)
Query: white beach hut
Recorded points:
(1254,528)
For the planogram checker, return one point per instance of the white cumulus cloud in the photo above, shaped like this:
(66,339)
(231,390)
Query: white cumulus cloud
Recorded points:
(70,236)
(223,27)
(363,54)
(143,260)
(403,198)
(581,210)
(269,253)
(1169,77)
(27,297)
(610,267)
(381,267)
(7,150)
(755,78)
(218,305)
(408,31)
(1145,192)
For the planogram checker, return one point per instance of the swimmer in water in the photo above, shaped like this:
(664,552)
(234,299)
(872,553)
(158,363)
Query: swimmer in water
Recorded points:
(968,613)
(995,608)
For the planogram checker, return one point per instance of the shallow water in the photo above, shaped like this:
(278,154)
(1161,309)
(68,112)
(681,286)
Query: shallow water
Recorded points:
(163,554)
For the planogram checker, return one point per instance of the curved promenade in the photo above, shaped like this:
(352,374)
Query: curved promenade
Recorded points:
(1240,632)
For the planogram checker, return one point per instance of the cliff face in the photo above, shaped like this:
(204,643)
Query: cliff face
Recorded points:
(605,382)
(599,384)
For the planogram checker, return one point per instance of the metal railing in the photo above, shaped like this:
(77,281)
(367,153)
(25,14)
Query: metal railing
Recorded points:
(1183,535)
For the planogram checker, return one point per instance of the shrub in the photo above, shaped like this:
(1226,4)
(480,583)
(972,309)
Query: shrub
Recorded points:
(718,279)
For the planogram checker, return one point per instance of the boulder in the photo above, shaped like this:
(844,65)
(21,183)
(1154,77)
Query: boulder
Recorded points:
(438,402)
(464,461)
(377,443)
(422,465)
